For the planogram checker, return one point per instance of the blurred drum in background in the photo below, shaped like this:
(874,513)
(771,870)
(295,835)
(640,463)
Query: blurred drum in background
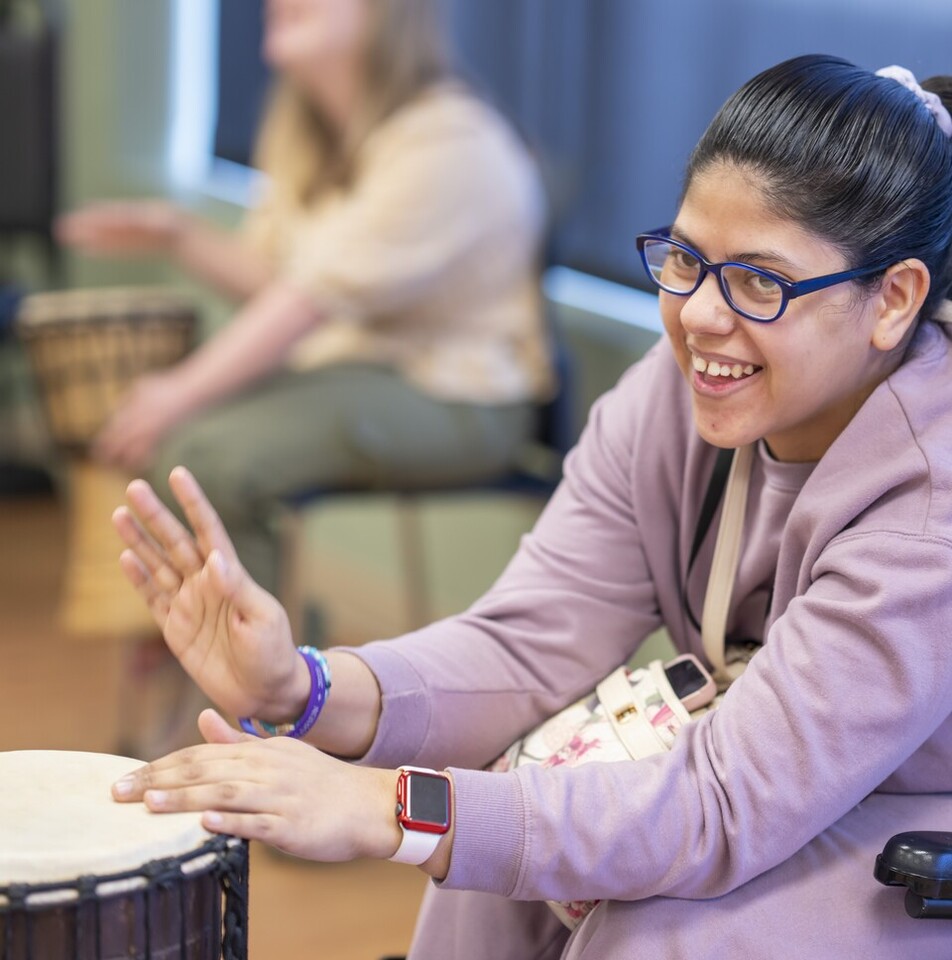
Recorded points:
(85,878)
(86,348)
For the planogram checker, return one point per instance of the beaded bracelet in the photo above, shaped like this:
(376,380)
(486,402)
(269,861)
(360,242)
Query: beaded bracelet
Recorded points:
(320,686)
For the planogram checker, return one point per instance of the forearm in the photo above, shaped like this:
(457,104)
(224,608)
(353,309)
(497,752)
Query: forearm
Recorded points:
(219,258)
(251,346)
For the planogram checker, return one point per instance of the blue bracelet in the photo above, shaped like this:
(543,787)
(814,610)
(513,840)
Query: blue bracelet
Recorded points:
(320,686)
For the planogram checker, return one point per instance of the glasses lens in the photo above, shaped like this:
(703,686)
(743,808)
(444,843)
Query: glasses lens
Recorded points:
(751,292)
(671,267)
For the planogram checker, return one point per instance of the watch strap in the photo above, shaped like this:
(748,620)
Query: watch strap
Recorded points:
(416,847)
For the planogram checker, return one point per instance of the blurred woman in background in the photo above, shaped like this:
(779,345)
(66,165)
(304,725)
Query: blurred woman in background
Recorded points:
(389,327)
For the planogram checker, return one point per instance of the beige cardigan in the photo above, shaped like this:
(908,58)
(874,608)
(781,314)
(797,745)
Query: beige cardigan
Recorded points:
(429,262)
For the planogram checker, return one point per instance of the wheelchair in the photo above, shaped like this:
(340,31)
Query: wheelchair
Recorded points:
(922,863)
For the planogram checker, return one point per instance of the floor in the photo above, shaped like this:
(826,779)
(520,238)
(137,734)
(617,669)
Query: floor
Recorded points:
(57,692)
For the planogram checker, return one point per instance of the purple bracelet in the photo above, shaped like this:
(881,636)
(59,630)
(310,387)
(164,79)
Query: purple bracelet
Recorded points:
(320,685)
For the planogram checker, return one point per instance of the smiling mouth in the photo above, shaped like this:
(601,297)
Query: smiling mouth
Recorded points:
(723,371)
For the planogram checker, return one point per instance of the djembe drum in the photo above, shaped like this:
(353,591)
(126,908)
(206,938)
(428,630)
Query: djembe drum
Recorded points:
(86,348)
(85,878)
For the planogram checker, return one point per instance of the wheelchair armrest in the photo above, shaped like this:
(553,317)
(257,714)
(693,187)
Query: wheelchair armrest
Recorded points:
(922,862)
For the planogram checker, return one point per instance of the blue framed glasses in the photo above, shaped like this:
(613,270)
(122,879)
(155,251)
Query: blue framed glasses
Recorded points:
(756,294)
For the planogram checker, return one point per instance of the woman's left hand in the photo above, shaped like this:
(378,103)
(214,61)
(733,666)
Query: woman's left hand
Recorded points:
(279,791)
(151,408)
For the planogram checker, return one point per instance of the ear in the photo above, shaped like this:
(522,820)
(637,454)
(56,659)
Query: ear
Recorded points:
(902,291)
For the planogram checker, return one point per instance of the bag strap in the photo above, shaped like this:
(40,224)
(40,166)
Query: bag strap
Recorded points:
(625,705)
(712,497)
(720,584)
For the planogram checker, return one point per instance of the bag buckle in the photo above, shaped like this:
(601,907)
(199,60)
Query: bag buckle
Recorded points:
(624,714)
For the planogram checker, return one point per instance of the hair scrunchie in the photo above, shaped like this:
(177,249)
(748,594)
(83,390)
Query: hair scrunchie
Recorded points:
(932,101)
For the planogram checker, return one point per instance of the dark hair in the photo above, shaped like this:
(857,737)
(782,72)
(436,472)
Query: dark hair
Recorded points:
(855,158)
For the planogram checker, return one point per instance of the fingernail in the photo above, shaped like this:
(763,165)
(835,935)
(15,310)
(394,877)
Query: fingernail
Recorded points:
(155,798)
(213,819)
(123,787)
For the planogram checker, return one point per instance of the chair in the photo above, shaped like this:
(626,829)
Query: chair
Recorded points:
(535,476)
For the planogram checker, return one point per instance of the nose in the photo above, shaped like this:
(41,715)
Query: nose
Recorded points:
(706,310)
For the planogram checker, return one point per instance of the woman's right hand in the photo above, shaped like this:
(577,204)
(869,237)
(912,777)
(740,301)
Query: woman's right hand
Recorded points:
(123,228)
(231,636)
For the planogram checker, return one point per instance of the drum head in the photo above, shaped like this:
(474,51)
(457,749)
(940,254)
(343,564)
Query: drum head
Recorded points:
(58,820)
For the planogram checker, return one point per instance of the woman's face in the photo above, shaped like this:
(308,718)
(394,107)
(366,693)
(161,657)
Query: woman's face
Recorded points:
(309,40)
(812,368)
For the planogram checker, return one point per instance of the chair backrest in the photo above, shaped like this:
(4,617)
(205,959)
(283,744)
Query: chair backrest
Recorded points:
(556,424)
(539,469)
(10,298)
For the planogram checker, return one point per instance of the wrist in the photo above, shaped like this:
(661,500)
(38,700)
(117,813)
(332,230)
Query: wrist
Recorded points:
(291,690)
(318,689)
(294,694)
(386,839)
(190,382)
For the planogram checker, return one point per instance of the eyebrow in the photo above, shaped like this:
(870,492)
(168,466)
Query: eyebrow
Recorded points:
(753,257)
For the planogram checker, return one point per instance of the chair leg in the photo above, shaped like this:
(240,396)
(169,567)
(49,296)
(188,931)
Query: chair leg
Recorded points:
(412,559)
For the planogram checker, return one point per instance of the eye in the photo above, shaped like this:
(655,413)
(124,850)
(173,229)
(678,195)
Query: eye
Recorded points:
(757,284)
(684,261)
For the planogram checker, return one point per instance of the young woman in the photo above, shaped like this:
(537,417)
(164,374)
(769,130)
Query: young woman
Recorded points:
(803,287)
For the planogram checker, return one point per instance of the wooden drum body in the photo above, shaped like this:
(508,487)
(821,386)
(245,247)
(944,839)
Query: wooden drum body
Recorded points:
(85,878)
(86,349)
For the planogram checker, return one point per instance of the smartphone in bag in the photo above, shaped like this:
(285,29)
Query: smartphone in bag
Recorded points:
(692,684)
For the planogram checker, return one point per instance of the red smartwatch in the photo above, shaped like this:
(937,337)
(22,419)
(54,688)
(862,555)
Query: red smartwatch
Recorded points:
(424,811)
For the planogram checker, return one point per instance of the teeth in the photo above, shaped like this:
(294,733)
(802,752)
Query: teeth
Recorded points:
(715,369)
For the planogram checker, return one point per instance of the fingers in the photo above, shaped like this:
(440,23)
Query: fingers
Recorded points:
(279,791)
(136,573)
(117,226)
(266,827)
(163,545)
(128,449)
(152,572)
(234,786)
(178,548)
(222,808)
(209,530)
(229,577)
(201,765)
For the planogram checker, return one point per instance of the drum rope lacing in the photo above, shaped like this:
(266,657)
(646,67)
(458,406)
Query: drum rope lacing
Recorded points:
(227,858)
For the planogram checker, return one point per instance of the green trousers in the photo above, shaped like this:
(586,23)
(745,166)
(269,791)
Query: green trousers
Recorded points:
(351,426)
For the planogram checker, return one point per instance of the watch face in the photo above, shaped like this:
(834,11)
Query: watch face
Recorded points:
(427,802)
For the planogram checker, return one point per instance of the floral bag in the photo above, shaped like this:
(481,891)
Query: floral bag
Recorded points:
(633,714)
